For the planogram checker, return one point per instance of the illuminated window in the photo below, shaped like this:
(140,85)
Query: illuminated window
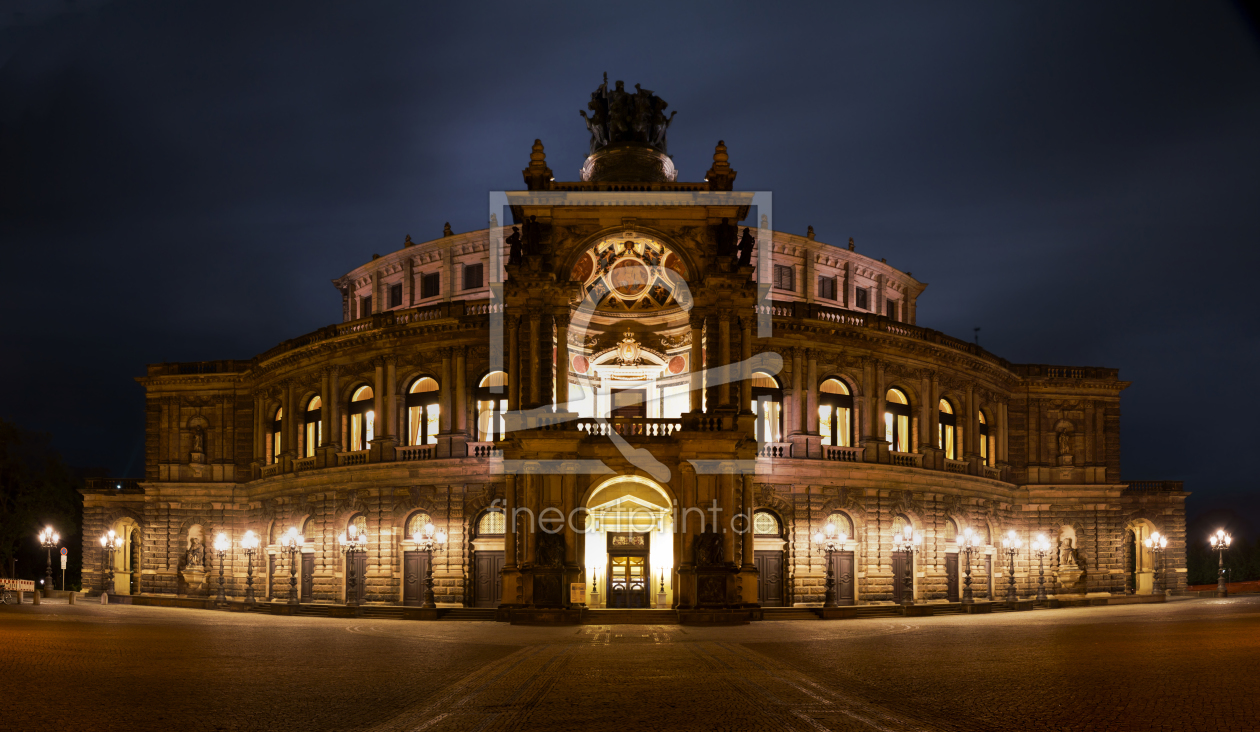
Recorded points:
(897,420)
(277,428)
(417,522)
(312,428)
(984,439)
(359,522)
(765,524)
(951,530)
(362,419)
(843,524)
(835,413)
(492,403)
(491,523)
(946,436)
(767,404)
(422,412)
(899,525)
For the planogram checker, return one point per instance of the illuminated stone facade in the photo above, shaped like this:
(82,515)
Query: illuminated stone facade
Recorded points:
(617,368)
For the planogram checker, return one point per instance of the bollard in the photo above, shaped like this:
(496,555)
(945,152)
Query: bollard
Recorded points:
(104,598)
(35,597)
(72,596)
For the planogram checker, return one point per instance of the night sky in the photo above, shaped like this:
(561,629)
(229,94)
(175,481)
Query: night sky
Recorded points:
(181,181)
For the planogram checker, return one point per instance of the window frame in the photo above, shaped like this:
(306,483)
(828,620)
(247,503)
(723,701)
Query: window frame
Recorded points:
(780,272)
(425,279)
(497,409)
(827,287)
(760,395)
(317,423)
(479,268)
(836,402)
(423,400)
(862,298)
(359,409)
(898,411)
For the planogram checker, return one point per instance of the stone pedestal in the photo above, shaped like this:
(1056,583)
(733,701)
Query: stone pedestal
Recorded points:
(194,577)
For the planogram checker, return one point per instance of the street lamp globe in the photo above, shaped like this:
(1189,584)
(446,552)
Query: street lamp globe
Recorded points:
(48,539)
(968,542)
(1011,544)
(426,541)
(829,540)
(249,543)
(1220,541)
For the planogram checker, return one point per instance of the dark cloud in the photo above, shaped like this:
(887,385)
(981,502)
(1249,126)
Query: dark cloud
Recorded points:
(179,181)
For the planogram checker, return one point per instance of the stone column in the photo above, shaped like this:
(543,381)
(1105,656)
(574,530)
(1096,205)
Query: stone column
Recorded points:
(697,366)
(531,501)
(724,358)
(289,427)
(444,396)
(535,360)
(972,438)
(260,440)
(726,485)
(748,520)
(513,323)
(745,368)
(509,537)
(799,396)
(562,362)
(408,282)
(811,389)
(568,485)
(325,407)
(461,390)
(333,405)
(391,399)
(1004,431)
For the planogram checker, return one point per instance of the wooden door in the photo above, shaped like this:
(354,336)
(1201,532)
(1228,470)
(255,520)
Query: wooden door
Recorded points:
(360,576)
(415,570)
(899,576)
(134,551)
(951,577)
(769,577)
(271,576)
(488,579)
(988,572)
(308,578)
(627,582)
(842,572)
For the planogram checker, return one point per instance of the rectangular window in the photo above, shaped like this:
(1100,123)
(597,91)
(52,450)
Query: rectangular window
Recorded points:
(784,278)
(430,285)
(472,276)
(891,307)
(862,299)
(395,295)
(365,306)
(827,288)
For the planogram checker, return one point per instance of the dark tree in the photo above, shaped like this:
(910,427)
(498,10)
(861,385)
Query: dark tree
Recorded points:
(36,489)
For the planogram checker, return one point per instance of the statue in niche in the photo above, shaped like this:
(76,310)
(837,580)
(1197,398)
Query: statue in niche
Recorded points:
(1064,439)
(196,556)
(531,237)
(514,246)
(746,248)
(708,549)
(198,446)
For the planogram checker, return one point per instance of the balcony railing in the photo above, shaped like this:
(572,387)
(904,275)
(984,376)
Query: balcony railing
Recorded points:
(775,450)
(416,452)
(956,466)
(357,457)
(630,427)
(484,450)
(1154,486)
(270,470)
(842,454)
(305,463)
(906,459)
(113,485)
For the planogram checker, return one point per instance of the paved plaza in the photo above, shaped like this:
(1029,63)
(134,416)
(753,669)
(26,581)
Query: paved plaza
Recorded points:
(1192,665)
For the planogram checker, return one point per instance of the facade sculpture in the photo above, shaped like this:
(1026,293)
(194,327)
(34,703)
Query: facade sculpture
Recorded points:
(603,393)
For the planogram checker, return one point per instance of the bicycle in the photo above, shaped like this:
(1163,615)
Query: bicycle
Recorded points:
(7,597)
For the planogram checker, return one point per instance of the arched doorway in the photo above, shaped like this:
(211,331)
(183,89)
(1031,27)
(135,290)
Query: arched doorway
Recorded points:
(629,544)
(488,537)
(133,564)
(768,555)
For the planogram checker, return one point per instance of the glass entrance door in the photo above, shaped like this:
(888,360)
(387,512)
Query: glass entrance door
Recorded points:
(627,581)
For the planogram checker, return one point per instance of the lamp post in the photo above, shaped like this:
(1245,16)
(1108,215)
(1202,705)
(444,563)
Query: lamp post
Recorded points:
(425,541)
(1220,541)
(830,541)
(1011,545)
(291,544)
(352,542)
(221,546)
(1041,547)
(1156,543)
(968,541)
(48,539)
(908,542)
(112,543)
(249,544)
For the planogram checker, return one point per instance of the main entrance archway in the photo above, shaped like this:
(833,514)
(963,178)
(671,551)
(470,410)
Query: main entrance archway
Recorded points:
(629,544)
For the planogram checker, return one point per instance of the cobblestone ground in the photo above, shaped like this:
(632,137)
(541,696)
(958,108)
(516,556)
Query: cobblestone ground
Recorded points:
(1191,665)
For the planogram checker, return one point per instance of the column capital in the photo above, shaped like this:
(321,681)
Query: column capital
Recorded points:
(562,318)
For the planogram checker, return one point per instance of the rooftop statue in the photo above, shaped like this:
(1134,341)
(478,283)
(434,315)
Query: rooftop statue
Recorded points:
(621,117)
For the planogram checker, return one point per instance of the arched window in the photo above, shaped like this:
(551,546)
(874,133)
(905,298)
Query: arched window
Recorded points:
(492,523)
(766,524)
(422,412)
(835,413)
(897,420)
(359,522)
(984,440)
(277,428)
(313,429)
(948,429)
(309,528)
(899,525)
(416,523)
(951,530)
(491,404)
(767,404)
(842,522)
(362,419)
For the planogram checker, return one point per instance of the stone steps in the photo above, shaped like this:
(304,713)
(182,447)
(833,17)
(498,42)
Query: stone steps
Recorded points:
(468,613)
(788,613)
(629,617)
